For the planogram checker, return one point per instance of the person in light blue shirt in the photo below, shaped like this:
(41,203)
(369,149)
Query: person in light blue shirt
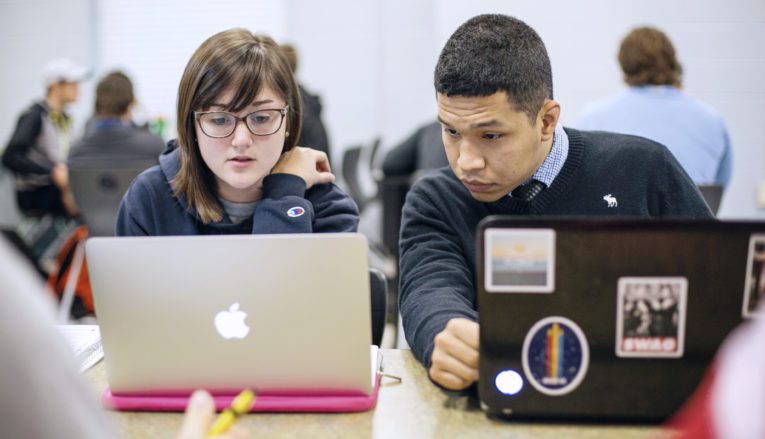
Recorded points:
(655,106)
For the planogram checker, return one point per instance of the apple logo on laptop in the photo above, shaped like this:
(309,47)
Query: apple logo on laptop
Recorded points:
(230,324)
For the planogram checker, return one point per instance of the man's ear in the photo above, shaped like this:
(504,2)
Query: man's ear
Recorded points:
(547,119)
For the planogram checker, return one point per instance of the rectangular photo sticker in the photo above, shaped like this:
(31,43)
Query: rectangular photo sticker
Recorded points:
(650,317)
(754,287)
(519,260)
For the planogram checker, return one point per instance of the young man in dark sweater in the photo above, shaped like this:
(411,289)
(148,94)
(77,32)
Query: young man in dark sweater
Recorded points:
(508,155)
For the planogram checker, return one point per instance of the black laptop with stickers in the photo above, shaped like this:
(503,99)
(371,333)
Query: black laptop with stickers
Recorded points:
(587,319)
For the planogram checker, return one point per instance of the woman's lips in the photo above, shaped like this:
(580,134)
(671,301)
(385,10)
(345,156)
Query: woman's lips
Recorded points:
(240,162)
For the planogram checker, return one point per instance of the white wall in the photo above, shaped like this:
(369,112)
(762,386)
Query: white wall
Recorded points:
(372,61)
(152,41)
(32,33)
(338,42)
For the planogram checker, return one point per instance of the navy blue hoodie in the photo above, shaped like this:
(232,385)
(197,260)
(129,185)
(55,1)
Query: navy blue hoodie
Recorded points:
(150,208)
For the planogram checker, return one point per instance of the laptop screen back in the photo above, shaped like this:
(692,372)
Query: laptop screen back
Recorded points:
(603,319)
(276,313)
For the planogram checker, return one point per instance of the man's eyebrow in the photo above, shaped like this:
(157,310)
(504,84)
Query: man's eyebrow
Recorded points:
(486,124)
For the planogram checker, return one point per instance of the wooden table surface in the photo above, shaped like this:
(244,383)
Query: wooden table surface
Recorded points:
(412,408)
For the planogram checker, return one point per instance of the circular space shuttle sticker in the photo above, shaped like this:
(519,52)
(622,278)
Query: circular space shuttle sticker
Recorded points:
(555,356)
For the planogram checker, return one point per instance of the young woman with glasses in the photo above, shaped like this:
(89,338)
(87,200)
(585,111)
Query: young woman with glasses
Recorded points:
(235,167)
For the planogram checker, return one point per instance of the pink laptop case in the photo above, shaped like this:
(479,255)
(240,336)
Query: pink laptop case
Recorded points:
(266,403)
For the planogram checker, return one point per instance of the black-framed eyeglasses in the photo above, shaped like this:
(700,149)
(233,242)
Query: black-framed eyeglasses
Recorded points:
(219,124)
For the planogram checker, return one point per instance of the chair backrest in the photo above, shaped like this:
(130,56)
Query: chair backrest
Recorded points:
(350,170)
(359,176)
(373,154)
(378,286)
(98,191)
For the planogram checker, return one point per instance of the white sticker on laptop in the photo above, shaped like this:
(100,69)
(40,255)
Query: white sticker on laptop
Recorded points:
(555,356)
(519,260)
(650,317)
(754,287)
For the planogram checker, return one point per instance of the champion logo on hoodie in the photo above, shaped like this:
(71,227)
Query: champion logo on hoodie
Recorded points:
(295,212)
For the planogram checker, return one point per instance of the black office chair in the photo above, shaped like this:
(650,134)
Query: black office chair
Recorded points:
(373,154)
(357,167)
(98,189)
(350,172)
(378,286)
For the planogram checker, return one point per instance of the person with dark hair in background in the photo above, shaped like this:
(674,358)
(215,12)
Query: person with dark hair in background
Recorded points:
(236,167)
(655,106)
(112,136)
(38,147)
(313,133)
(509,155)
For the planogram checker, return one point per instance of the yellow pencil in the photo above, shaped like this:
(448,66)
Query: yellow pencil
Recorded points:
(239,406)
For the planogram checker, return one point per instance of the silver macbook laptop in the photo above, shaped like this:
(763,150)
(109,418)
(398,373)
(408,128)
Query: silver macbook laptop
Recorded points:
(276,313)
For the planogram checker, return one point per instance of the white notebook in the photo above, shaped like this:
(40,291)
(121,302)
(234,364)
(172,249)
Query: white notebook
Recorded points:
(85,341)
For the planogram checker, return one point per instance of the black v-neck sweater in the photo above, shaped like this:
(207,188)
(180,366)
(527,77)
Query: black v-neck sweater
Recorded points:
(605,174)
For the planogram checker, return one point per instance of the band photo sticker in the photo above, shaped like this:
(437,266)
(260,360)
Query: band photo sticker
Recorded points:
(754,287)
(519,260)
(650,319)
(555,355)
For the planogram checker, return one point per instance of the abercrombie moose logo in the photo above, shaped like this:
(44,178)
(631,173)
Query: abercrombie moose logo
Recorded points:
(611,200)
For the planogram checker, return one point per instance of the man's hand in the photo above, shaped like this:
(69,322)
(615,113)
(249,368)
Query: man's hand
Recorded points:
(455,355)
(60,176)
(309,164)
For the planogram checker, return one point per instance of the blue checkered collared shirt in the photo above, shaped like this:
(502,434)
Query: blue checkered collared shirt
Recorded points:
(555,159)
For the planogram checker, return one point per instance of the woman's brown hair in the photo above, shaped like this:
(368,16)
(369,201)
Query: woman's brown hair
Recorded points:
(647,57)
(232,58)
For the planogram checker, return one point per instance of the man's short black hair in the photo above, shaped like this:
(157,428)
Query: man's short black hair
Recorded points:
(491,53)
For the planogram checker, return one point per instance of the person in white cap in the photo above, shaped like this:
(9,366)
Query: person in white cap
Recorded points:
(37,150)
